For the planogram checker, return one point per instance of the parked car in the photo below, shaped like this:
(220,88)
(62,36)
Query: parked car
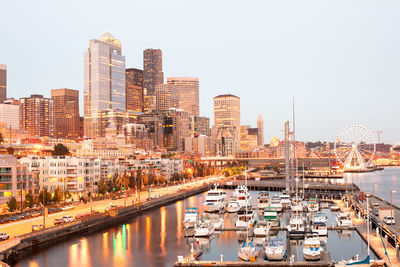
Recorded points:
(68,218)
(4,236)
(389,220)
(37,227)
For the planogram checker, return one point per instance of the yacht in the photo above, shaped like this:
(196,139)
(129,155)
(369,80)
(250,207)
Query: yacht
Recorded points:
(312,247)
(276,203)
(203,229)
(271,216)
(320,228)
(246,218)
(275,249)
(215,200)
(285,199)
(296,226)
(319,217)
(343,219)
(233,205)
(261,228)
(313,205)
(248,252)
(214,219)
(263,200)
(243,195)
(335,208)
(297,204)
(191,217)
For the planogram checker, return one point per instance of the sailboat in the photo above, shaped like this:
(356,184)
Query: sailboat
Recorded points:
(248,252)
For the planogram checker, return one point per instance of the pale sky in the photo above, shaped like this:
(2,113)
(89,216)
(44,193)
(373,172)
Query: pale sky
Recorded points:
(339,59)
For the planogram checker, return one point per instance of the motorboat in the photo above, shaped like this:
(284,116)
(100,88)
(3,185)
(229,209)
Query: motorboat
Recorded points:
(275,249)
(343,219)
(297,205)
(276,203)
(312,247)
(246,218)
(243,196)
(285,199)
(313,205)
(319,217)
(271,216)
(248,252)
(215,200)
(191,217)
(335,208)
(203,229)
(262,200)
(233,205)
(320,228)
(214,219)
(261,228)
(296,227)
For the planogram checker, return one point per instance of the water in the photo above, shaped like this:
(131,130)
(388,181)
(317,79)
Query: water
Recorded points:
(155,238)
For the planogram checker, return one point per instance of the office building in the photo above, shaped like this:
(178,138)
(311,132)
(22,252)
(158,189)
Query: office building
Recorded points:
(134,90)
(199,125)
(66,113)
(175,129)
(152,76)
(104,86)
(36,115)
(260,127)
(3,82)
(9,113)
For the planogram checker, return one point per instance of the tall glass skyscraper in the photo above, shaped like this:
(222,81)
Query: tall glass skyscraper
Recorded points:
(104,87)
(152,76)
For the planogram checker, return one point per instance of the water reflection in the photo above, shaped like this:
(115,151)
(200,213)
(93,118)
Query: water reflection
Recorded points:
(163,229)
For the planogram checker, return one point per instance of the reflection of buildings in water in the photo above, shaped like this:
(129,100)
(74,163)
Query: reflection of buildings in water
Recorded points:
(345,234)
(192,201)
(163,230)
(79,254)
(105,245)
(179,207)
(296,243)
(73,255)
(148,234)
(204,243)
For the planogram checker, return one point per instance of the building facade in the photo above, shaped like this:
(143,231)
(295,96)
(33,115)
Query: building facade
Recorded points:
(134,90)
(199,125)
(260,127)
(37,115)
(9,114)
(152,76)
(175,129)
(104,86)
(3,82)
(66,113)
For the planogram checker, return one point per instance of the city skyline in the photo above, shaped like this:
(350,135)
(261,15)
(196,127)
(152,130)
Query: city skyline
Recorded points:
(341,94)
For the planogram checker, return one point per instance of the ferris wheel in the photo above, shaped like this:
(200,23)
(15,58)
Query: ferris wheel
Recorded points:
(355,147)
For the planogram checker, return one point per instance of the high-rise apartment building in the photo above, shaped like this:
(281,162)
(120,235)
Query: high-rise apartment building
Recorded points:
(66,113)
(134,90)
(105,85)
(152,76)
(175,129)
(260,127)
(9,113)
(3,82)
(36,115)
(199,125)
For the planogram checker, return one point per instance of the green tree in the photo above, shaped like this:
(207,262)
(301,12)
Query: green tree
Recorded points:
(60,150)
(29,201)
(58,195)
(12,204)
(102,187)
(44,196)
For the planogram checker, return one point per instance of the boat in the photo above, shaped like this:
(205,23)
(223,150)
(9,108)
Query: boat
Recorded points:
(261,228)
(191,217)
(319,217)
(271,216)
(313,205)
(262,200)
(343,219)
(215,200)
(296,227)
(276,203)
(246,218)
(312,247)
(248,252)
(203,229)
(233,205)
(320,228)
(297,204)
(214,219)
(285,199)
(275,249)
(335,208)
(243,196)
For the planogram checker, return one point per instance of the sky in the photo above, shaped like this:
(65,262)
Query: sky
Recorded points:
(339,60)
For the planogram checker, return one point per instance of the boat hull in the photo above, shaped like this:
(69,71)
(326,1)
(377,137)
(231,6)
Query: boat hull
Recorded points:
(311,256)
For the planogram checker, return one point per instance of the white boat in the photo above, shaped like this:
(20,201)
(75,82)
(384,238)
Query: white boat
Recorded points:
(271,216)
(203,229)
(313,205)
(335,208)
(343,219)
(191,217)
(261,228)
(297,205)
(215,200)
(296,227)
(243,196)
(248,251)
(263,200)
(312,247)
(319,217)
(276,203)
(320,228)
(275,249)
(285,199)
(215,219)
(246,218)
(233,205)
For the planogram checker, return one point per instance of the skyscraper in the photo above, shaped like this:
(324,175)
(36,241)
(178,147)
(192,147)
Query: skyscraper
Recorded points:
(66,113)
(36,115)
(134,90)
(152,76)
(9,113)
(260,127)
(3,83)
(104,87)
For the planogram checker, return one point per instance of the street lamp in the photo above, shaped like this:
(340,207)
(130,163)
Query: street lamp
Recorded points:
(391,203)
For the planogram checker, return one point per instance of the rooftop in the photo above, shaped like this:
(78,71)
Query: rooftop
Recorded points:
(226,95)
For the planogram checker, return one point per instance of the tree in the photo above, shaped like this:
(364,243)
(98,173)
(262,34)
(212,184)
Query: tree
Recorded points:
(60,150)
(44,196)
(67,195)
(10,150)
(58,195)
(151,179)
(102,186)
(131,181)
(162,179)
(29,201)
(12,204)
